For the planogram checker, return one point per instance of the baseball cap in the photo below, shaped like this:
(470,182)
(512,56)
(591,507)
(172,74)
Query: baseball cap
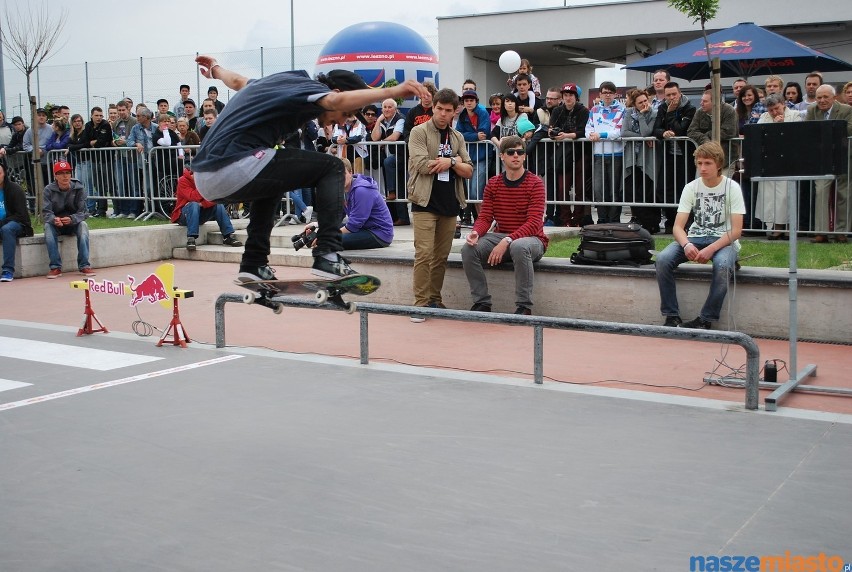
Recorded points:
(524,125)
(344,80)
(62,166)
(213,89)
(469,93)
(190,101)
(572,88)
(41,110)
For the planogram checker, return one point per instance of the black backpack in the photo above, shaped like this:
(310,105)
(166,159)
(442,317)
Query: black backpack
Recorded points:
(614,244)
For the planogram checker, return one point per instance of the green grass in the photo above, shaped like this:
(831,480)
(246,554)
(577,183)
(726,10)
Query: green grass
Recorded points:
(766,254)
(100,223)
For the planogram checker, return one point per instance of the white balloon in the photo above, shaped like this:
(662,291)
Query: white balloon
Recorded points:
(510,61)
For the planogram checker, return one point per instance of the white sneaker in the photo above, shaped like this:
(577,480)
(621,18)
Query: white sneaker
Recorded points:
(308,213)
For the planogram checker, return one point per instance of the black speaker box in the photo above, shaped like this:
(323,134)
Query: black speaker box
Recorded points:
(800,149)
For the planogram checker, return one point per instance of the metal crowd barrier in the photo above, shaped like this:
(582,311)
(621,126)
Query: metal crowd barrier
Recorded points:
(138,184)
(144,184)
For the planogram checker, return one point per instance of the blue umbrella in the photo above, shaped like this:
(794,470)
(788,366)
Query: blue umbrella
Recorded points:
(743,50)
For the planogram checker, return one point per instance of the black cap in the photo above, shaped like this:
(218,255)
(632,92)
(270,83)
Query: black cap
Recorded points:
(41,110)
(212,88)
(188,100)
(344,80)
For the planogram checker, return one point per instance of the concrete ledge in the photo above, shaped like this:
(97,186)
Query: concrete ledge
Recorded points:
(757,304)
(107,247)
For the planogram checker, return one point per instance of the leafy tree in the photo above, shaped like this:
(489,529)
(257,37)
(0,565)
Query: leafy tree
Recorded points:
(29,33)
(702,11)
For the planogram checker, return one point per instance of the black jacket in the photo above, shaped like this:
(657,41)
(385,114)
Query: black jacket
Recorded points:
(16,207)
(101,135)
(677,120)
(16,144)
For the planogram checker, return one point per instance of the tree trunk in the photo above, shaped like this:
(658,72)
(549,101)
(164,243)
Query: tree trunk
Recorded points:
(38,180)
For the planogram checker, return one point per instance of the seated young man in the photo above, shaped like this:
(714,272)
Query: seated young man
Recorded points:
(14,221)
(192,210)
(515,201)
(368,223)
(718,206)
(64,212)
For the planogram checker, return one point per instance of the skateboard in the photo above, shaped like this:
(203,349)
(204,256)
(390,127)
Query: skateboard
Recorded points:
(326,290)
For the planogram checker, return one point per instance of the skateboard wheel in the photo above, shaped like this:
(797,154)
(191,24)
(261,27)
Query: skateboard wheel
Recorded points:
(322,296)
(249,298)
(351,307)
(277,309)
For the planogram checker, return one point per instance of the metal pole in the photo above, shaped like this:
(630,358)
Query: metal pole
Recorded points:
(2,84)
(292,38)
(261,61)
(365,344)
(141,82)
(86,70)
(538,354)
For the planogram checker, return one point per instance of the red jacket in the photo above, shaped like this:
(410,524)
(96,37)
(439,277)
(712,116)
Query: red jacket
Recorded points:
(187,192)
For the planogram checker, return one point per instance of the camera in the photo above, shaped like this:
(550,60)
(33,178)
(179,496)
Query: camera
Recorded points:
(304,238)
(554,131)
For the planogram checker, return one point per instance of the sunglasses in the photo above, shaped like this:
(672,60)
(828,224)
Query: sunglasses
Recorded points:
(369,114)
(513,152)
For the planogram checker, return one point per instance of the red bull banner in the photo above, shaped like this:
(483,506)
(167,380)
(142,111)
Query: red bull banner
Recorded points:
(726,47)
(153,288)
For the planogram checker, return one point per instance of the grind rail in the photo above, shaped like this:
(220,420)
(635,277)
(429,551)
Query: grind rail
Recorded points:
(538,323)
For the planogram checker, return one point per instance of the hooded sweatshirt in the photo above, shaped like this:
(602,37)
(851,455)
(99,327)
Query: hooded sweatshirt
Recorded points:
(366,209)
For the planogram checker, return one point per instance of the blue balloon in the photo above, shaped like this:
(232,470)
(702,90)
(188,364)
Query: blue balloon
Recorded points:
(379,51)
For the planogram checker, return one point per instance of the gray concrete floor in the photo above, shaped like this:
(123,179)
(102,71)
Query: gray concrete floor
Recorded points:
(268,462)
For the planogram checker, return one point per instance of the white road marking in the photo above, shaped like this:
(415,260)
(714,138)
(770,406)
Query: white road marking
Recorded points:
(7,384)
(106,384)
(71,356)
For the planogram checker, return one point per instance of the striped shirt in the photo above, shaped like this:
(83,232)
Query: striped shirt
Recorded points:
(517,206)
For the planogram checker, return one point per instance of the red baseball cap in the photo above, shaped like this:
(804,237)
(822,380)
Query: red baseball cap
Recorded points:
(572,88)
(62,167)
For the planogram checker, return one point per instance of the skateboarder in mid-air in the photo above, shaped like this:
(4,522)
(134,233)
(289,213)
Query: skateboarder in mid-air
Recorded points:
(237,161)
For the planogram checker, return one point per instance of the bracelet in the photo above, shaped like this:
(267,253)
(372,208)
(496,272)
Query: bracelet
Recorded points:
(213,67)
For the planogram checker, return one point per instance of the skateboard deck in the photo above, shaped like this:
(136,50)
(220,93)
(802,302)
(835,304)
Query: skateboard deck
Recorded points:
(326,290)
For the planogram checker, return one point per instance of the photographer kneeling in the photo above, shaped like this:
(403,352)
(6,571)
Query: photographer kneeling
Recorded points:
(368,223)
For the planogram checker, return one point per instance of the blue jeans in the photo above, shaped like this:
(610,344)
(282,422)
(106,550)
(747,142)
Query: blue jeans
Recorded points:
(81,230)
(299,205)
(724,262)
(606,185)
(192,215)
(477,182)
(361,240)
(9,234)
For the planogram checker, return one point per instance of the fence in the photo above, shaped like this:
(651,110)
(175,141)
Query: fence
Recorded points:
(82,86)
(649,174)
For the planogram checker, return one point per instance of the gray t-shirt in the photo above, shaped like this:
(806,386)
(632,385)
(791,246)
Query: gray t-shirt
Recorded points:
(256,119)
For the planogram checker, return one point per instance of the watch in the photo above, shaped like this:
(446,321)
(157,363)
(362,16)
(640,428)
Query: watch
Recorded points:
(452,162)
(508,239)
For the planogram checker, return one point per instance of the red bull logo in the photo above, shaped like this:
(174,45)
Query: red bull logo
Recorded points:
(156,287)
(726,47)
(151,289)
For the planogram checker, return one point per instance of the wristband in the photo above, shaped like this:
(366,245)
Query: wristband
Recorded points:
(213,67)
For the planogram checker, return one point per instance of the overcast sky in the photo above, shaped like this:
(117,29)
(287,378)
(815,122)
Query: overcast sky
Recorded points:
(100,30)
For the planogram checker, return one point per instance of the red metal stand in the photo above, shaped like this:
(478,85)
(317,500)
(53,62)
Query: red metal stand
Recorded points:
(179,336)
(88,318)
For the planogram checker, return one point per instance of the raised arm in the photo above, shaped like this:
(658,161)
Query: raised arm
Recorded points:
(356,99)
(210,68)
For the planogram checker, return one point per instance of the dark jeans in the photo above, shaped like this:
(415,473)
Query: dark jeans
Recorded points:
(292,169)
(361,240)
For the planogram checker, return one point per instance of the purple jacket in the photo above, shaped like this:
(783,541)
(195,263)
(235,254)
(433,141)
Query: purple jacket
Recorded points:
(366,209)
